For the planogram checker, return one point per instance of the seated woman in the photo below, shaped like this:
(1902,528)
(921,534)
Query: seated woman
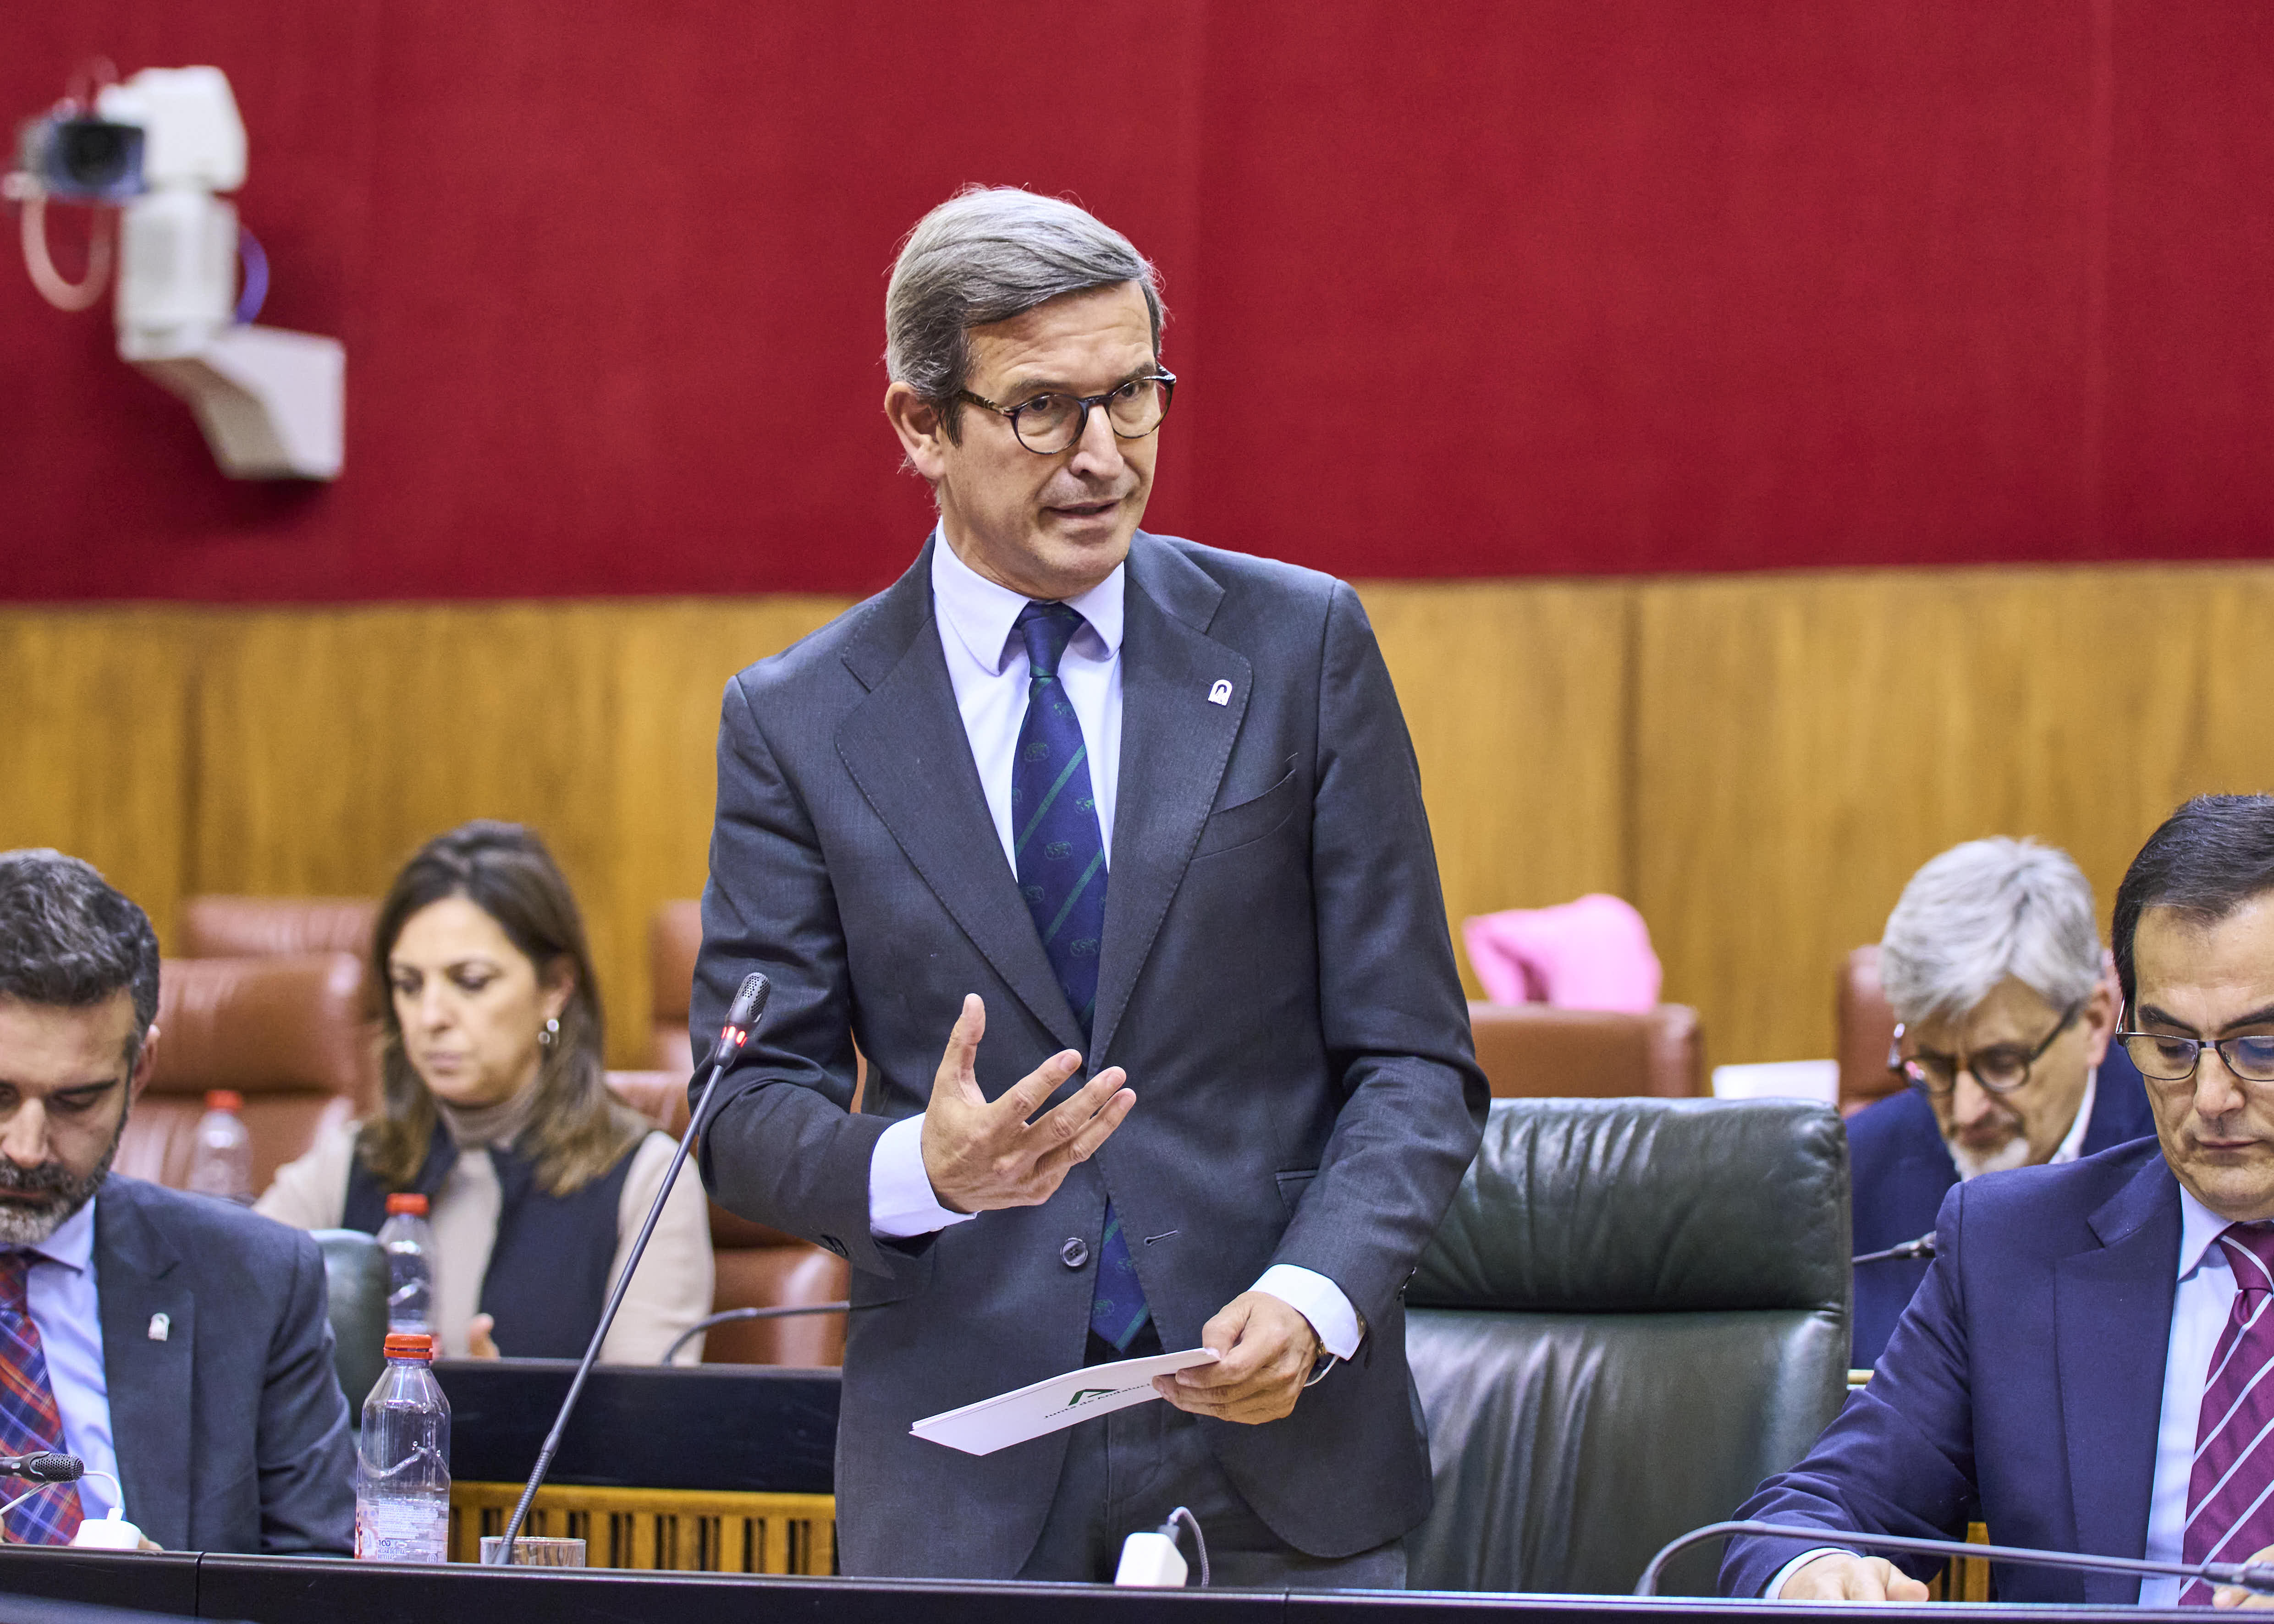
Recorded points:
(495,1108)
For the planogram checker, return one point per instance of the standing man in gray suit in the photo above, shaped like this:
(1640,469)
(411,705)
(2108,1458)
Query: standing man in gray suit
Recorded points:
(1133,828)
(176,1341)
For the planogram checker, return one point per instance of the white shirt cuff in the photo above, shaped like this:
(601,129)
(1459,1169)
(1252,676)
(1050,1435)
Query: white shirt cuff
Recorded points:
(900,1199)
(1775,1587)
(1319,1300)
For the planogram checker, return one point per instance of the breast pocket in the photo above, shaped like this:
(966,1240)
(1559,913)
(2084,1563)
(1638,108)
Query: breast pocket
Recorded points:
(1292,1186)
(1252,819)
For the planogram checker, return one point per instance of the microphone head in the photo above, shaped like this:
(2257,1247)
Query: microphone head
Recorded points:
(749,1002)
(52,1466)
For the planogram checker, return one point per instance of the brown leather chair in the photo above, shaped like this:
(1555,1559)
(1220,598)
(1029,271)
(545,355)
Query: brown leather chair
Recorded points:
(1867,1031)
(287,1033)
(221,927)
(675,936)
(1540,1051)
(756,1267)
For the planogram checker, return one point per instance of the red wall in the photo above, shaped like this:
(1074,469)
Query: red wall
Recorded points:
(1459,290)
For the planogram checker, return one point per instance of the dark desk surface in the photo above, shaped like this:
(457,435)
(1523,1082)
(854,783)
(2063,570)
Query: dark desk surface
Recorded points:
(294,1590)
(702,1426)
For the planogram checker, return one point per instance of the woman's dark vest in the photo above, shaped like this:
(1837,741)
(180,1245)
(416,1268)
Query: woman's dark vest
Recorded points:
(548,1274)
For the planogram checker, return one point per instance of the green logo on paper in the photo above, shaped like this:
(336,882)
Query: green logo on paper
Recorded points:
(1082,1395)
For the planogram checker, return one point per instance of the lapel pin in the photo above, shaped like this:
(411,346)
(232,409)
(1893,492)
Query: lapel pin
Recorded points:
(1221,694)
(160,1327)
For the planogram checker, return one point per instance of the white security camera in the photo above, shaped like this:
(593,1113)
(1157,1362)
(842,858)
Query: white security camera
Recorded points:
(160,146)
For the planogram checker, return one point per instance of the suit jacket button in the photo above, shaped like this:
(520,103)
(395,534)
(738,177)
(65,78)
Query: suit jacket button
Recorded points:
(1075,1253)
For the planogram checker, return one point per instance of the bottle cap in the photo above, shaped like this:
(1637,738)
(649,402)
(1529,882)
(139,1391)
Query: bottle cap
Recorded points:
(410,1345)
(224,1100)
(409,1201)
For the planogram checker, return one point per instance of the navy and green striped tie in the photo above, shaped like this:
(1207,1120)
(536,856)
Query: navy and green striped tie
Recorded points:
(1061,862)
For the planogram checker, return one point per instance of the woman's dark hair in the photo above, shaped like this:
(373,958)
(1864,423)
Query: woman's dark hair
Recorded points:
(2209,858)
(576,1130)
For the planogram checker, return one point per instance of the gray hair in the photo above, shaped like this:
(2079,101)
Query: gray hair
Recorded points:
(986,255)
(68,939)
(1980,912)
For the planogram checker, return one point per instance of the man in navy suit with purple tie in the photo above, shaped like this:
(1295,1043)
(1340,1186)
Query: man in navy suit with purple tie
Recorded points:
(2082,1369)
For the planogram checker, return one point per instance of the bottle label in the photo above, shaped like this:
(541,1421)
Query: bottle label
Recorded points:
(403,1530)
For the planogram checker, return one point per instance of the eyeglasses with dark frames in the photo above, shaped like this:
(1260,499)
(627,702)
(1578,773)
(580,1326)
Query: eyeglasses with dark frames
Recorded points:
(2167,1058)
(2001,1068)
(1050,423)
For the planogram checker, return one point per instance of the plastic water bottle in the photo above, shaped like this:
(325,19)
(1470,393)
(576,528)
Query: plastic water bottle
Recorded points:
(220,1155)
(403,1463)
(409,1247)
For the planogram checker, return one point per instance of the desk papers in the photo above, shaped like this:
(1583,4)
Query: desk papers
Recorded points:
(1059,1402)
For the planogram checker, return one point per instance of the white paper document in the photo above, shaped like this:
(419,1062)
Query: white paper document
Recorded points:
(1009,1419)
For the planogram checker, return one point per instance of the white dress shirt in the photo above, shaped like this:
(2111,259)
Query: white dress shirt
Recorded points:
(67,1312)
(987,666)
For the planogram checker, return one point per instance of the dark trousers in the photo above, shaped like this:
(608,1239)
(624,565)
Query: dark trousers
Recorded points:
(1124,1473)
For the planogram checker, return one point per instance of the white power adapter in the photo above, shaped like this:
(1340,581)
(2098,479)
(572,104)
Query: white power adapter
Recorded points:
(1151,1560)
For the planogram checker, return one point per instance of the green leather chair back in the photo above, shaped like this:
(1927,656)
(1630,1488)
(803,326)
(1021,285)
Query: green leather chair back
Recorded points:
(1634,1311)
(354,1273)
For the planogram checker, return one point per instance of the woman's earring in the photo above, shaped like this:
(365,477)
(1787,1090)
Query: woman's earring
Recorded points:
(552,1031)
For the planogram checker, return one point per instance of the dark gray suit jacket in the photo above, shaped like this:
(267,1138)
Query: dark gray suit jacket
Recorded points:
(1275,976)
(232,1433)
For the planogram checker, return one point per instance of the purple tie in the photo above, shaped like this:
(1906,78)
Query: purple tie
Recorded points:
(2231,1491)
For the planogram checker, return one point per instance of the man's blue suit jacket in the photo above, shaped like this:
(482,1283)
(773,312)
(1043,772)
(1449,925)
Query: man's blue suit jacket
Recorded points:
(2023,1389)
(1900,1170)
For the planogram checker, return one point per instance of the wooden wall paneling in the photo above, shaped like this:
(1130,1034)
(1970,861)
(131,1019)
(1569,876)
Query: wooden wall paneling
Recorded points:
(336,742)
(673,660)
(95,743)
(1804,742)
(1516,693)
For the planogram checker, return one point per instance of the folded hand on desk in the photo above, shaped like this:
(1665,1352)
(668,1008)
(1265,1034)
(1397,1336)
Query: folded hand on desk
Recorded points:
(2229,1595)
(1268,1351)
(1839,1576)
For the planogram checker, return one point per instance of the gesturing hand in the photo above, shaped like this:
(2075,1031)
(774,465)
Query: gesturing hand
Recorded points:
(981,1154)
(1268,1350)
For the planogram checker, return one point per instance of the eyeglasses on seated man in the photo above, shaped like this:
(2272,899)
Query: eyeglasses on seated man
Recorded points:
(2007,1004)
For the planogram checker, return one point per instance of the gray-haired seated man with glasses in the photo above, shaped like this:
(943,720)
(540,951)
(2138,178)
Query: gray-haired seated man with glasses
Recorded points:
(1995,970)
(2085,1367)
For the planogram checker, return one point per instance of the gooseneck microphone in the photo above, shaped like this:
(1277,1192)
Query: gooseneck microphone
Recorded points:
(2257,1578)
(741,1021)
(44,1466)
(729,1316)
(1923,1247)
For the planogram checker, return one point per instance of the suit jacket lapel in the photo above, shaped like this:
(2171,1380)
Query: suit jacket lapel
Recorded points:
(148,1381)
(2112,1319)
(905,749)
(1174,746)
